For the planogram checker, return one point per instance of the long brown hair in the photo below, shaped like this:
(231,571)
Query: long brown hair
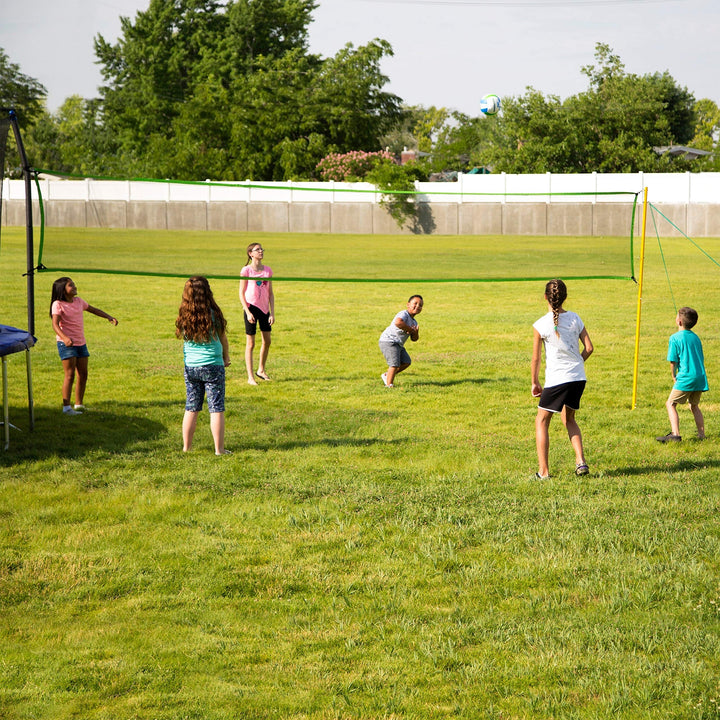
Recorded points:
(58,291)
(199,317)
(556,294)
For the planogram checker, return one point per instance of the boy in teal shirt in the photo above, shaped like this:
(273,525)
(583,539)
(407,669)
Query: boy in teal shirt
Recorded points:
(685,355)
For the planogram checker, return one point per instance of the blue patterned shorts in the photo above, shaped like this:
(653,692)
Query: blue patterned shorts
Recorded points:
(207,379)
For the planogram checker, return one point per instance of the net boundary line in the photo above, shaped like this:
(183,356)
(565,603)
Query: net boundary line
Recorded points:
(212,276)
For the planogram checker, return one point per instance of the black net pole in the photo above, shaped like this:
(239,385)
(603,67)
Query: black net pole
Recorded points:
(27,176)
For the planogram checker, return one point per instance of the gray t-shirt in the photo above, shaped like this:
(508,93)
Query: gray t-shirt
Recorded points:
(394,334)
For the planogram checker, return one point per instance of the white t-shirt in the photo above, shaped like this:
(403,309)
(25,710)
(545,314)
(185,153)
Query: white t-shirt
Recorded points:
(563,361)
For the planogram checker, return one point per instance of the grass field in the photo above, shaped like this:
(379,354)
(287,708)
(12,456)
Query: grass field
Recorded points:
(365,553)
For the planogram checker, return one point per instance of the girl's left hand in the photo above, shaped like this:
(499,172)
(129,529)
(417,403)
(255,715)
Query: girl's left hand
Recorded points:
(113,321)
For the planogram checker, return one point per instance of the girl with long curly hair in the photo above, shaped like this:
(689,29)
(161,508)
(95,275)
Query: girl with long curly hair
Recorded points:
(202,326)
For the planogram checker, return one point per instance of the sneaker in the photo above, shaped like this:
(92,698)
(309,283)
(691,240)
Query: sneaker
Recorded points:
(69,410)
(669,438)
(80,408)
(582,469)
(385,382)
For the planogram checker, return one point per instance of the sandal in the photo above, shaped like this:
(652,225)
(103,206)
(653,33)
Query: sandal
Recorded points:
(262,375)
(582,469)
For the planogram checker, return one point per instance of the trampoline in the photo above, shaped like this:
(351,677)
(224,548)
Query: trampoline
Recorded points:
(13,340)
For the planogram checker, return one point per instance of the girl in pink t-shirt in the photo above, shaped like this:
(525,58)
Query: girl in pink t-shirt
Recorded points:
(258,301)
(66,311)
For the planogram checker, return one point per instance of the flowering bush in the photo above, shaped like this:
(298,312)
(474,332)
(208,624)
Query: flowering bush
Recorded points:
(396,182)
(351,166)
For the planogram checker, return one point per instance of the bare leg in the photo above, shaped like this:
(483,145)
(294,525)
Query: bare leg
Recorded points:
(249,347)
(699,421)
(82,375)
(674,419)
(573,431)
(188,429)
(69,368)
(264,350)
(217,428)
(393,371)
(542,440)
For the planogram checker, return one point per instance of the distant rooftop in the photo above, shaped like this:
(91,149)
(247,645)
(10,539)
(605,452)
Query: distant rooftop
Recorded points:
(681,151)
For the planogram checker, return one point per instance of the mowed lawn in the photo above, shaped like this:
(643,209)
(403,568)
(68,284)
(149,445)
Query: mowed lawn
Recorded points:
(365,552)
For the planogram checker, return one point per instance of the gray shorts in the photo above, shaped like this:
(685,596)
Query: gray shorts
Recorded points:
(395,355)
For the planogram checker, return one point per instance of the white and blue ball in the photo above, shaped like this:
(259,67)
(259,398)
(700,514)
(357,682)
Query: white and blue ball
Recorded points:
(490,105)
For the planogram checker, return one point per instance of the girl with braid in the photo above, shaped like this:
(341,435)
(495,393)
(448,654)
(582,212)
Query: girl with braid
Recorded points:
(561,332)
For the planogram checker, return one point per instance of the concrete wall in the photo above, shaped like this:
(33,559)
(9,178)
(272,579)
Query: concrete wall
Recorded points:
(436,218)
(582,204)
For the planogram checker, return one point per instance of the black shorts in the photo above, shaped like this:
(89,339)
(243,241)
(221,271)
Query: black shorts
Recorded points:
(262,319)
(554,399)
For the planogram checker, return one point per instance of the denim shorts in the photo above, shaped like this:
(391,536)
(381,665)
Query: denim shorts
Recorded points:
(206,379)
(74,351)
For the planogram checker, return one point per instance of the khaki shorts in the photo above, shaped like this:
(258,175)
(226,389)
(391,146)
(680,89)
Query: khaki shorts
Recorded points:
(680,397)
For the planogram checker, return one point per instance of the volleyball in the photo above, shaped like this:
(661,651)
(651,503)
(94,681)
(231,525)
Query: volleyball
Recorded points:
(490,105)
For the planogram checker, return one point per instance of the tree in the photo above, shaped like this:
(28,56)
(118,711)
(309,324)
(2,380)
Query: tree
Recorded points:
(198,88)
(26,96)
(152,70)
(705,137)
(20,92)
(613,126)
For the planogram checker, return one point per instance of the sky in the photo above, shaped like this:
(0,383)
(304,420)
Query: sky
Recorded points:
(447,53)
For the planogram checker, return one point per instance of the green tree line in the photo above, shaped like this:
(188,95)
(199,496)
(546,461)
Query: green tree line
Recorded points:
(197,89)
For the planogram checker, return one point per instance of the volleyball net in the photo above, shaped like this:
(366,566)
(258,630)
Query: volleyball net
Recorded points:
(339,256)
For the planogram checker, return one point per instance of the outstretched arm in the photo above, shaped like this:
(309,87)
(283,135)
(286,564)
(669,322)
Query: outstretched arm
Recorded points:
(102,314)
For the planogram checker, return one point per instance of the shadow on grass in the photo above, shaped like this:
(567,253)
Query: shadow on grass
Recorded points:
(679,466)
(329,442)
(106,428)
(461,381)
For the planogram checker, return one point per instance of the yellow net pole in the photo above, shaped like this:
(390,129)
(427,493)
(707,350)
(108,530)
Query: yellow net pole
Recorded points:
(639,300)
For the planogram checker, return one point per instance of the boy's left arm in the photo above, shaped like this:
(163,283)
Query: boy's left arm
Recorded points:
(673,370)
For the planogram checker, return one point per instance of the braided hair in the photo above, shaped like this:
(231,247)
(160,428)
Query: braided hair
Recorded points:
(556,294)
